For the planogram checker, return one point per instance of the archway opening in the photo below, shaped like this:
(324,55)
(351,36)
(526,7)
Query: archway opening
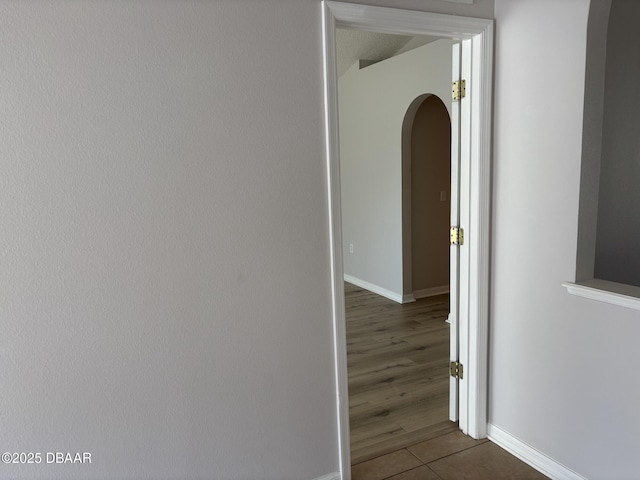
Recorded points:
(426,165)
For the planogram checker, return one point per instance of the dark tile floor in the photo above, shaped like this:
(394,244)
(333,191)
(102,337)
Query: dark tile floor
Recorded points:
(453,456)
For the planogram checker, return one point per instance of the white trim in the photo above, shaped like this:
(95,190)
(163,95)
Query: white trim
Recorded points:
(335,238)
(396,297)
(609,292)
(330,476)
(431,292)
(480,217)
(454,252)
(460,328)
(406,22)
(529,455)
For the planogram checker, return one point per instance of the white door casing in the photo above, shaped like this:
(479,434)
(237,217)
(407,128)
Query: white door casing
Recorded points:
(460,335)
(454,251)
(476,36)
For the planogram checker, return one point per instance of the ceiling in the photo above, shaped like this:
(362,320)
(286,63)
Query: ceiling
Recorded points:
(355,45)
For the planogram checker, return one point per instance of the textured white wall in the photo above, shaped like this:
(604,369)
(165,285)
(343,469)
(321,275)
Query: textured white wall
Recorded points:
(164,286)
(553,380)
(373,103)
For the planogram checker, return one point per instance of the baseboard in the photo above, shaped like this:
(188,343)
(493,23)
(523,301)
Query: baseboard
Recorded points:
(538,460)
(396,297)
(408,298)
(330,476)
(431,292)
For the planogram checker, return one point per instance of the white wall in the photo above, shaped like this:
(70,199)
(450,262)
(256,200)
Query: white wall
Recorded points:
(553,377)
(372,106)
(162,205)
(164,290)
(618,231)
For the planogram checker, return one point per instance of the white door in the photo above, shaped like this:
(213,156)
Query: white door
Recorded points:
(459,285)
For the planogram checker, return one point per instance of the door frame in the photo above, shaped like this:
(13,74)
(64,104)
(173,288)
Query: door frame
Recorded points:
(474,310)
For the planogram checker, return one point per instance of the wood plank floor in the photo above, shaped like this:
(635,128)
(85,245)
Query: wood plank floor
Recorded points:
(397,358)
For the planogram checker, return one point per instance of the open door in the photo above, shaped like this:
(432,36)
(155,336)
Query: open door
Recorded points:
(454,252)
(460,183)
(471,180)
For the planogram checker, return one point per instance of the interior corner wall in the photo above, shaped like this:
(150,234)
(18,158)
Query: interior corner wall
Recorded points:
(372,106)
(617,256)
(552,384)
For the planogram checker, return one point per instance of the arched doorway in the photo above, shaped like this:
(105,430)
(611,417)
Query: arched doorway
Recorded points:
(426,165)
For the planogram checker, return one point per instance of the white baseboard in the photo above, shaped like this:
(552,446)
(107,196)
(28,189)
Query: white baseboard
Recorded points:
(431,292)
(538,460)
(408,298)
(396,297)
(330,476)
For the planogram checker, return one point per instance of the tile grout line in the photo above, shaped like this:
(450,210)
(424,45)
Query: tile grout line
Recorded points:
(402,471)
(407,449)
(423,465)
(451,454)
(432,470)
(444,456)
(414,468)
(408,469)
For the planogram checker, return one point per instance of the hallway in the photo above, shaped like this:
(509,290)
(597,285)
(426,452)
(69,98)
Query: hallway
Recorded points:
(397,357)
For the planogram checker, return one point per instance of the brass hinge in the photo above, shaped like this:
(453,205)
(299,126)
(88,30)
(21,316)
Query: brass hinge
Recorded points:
(459,89)
(457,370)
(456,235)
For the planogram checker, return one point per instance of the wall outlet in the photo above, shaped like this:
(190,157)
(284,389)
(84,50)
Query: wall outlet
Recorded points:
(443,195)
(351,248)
